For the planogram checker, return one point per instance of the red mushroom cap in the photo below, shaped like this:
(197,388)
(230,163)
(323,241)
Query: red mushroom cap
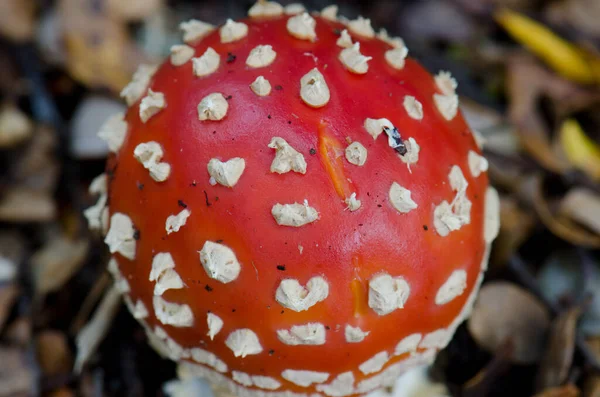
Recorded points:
(295,206)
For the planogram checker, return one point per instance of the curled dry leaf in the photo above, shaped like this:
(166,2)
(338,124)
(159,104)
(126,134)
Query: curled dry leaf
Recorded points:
(563,227)
(515,227)
(591,385)
(415,382)
(56,262)
(100,52)
(582,205)
(559,352)
(188,388)
(53,354)
(528,82)
(15,126)
(8,297)
(133,10)
(18,376)
(576,14)
(12,246)
(37,166)
(564,57)
(17,19)
(505,312)
(560,391)
(582,152)
(93,333)
(20,204)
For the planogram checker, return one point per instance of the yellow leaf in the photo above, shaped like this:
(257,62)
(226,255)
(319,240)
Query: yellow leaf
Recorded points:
(580,150)
(564,57)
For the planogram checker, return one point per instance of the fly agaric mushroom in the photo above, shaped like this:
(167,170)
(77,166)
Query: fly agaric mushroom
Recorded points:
(297,208)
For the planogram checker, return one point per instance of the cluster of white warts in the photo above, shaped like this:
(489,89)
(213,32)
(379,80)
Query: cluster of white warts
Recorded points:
(386,293)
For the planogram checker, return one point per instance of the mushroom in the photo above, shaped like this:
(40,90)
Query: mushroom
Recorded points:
(288,225)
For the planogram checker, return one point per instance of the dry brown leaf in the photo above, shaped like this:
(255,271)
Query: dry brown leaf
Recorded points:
(93,333)
(17,19)
(37,166)
(515,226)
(57,261)
(558,358)
(133,10)
(21,204)
(591,386)
(62,392)
(15,126)
(100,51)
(8,296)
(16,375)
(53,354)
(19,332)
(560,391)
(561,226)
(505,313)
(582,15)
(582,205)
(528,82)
(12,246)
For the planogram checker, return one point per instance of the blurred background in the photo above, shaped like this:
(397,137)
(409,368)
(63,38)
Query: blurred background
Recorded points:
(529,81)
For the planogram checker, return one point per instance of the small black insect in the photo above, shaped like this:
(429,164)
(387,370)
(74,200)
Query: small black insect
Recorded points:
(231,57)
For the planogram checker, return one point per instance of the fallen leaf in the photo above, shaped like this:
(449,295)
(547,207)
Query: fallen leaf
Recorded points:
(516,224)
(582,205)
(560,391)
(133,10)
(582,152)
(528,82)
(15,126)
(563,56)
(559,225)
(19,332)
(100,52)
(582,15)
(591,386)
(93,333)
(558,358)
(56,262)
(53,354)
(37,166)
(20,204)
(505,312)
(17,19)
(8,297)
(16,375)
